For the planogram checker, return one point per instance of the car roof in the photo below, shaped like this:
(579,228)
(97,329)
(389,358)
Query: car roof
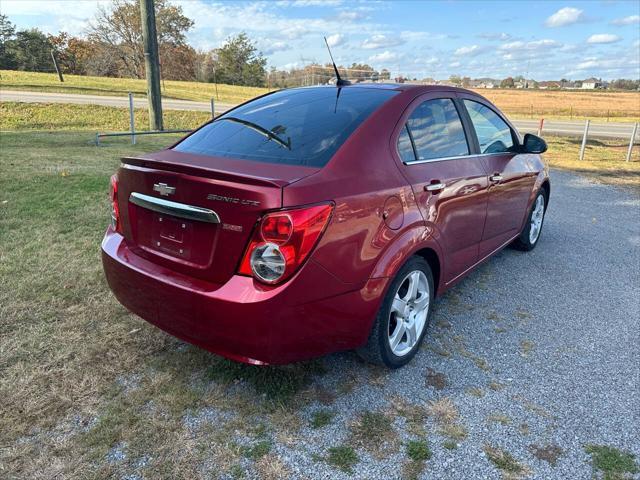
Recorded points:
(401,87)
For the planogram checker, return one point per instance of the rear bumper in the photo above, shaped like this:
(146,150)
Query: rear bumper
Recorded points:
(310,315)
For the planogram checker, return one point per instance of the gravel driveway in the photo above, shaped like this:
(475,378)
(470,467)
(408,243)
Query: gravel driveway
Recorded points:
(538,352)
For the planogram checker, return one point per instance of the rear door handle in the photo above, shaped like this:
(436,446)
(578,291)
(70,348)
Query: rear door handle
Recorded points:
(495,178)
(435,186)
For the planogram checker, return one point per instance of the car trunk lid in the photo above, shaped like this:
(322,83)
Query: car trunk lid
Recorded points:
(194,214)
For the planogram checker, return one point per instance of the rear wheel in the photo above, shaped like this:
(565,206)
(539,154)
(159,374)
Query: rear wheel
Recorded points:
(530,235)
(402,320)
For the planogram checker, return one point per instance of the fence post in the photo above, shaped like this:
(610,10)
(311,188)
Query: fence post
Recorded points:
(540,127)
(584,139)
(132,120)
(633,137)
(213,111)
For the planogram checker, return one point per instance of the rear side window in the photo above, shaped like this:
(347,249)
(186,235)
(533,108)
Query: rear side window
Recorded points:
(297,127)
(437,130)
(405,147)
(494,135)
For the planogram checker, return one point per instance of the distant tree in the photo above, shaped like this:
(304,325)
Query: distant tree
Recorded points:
(238,62)
(625,84)
(455,79)
(466,81)
(507,83)
(117,31)
(385,74)
(74,54)
(7,34)
(32,51)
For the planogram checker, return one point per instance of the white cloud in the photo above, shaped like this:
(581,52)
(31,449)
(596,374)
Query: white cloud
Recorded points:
(335,40)
(565,16)
(630,20)
(454,64)
(603,38)
(470,51)
(496,36)
(273,47)
(350,15)
(385,56)
(530,46)
(381,41)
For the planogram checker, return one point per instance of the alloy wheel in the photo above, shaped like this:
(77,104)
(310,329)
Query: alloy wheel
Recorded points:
(536,219)
(408,315)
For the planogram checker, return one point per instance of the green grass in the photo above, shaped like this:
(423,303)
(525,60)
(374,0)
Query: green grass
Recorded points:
(418,450)
(613,463)
(343,457)
(321,418)
(96,118)
(258,450)
(77,84)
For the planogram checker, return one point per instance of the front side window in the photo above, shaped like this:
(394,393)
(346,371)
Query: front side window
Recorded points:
(437,130)
(303,126)
(494,135)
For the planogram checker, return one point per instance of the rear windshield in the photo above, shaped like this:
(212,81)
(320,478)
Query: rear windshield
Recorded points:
(298,127)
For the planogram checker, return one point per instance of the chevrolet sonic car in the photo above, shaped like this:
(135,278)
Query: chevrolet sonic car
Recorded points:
(320,219)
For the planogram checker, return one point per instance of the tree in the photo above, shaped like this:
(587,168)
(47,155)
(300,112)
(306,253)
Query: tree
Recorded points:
(507,83)
(455,79)
(238,62)
(118,33)
(7,55)
(32,51)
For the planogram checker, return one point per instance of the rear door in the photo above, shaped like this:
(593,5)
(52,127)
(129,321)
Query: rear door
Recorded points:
(510,175)
(448,181)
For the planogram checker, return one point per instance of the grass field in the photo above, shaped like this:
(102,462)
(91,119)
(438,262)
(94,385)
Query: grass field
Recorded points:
(90,391)
(598,105)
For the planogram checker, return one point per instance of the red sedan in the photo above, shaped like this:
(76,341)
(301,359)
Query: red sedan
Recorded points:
(314,220)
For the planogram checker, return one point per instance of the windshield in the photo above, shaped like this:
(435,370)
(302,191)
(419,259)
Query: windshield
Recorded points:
(298,127)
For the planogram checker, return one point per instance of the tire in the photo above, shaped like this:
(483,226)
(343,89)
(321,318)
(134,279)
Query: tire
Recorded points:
(532,230)
(402,320)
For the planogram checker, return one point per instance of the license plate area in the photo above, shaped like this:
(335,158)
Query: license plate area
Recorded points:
(172,235)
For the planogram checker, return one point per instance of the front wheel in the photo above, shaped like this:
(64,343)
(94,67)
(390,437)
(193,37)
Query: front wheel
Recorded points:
(530,235)
(402,320)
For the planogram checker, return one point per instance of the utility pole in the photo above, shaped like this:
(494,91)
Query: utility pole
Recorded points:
(151,63)
(55,64)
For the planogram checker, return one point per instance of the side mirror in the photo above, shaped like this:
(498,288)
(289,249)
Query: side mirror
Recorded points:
(533,144)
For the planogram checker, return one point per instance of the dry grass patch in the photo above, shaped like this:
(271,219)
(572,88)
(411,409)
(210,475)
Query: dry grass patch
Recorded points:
(563,104)
(504,461)
(271,467)
(372,431)
(547,453)
(446,415)
(500,418)
(443,410)
(604,160)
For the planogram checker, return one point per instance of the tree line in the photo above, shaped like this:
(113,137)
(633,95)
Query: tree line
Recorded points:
(112,47)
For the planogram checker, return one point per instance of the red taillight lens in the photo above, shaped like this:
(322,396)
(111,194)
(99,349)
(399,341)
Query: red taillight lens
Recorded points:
(283,241)
(276,228)
(115,210)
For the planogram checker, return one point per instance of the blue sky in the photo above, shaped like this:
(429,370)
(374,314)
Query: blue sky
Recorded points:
(549,39)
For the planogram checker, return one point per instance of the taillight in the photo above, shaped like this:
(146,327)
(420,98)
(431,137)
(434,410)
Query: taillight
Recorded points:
(115,210)
(282,241)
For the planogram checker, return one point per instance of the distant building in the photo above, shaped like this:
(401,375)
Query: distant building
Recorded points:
(591,84)
(549,85)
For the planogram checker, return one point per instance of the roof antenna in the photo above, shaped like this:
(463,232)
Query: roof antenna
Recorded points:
(339,81)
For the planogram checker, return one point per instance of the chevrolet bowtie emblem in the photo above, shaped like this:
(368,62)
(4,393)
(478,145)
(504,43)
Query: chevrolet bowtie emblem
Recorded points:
(163,189)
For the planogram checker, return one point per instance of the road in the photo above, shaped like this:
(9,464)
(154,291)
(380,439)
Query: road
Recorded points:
(557,127)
